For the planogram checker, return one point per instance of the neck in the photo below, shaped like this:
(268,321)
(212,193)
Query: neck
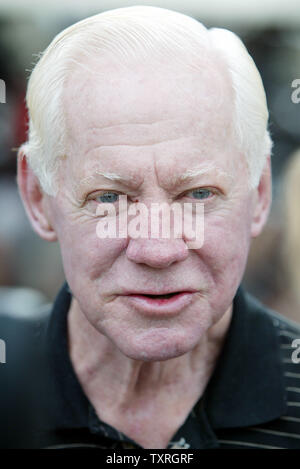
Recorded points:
(96,360)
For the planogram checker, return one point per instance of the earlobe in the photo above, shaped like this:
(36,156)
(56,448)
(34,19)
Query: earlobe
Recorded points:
(263,198)
(34,199)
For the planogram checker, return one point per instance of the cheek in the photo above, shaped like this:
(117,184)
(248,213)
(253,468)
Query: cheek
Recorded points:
(85,256)
(225,263)
(225,251)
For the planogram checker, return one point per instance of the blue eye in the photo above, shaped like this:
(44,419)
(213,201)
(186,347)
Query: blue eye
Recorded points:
(201,193)
(108,197)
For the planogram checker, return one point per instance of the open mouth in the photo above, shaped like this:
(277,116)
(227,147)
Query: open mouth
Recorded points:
(159,298)
(156,305)
(162,297)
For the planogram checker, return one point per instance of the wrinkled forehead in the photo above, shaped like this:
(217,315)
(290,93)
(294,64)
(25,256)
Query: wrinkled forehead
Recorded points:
(101,94)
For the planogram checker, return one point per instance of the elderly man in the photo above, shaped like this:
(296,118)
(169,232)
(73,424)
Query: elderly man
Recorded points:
(151,343)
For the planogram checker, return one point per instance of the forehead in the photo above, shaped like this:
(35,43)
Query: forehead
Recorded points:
(109,93)
(185,111)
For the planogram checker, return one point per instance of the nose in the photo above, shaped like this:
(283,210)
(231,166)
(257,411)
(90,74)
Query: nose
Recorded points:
(157,253)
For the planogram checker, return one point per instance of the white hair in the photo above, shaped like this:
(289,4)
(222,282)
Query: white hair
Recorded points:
(139,32)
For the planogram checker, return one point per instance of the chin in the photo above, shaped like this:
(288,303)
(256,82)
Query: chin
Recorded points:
(157,345)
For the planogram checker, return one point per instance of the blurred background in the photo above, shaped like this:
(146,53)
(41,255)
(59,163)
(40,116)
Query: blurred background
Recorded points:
(30,268)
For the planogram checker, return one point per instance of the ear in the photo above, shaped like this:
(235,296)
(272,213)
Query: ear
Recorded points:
(262,200)
(34,199)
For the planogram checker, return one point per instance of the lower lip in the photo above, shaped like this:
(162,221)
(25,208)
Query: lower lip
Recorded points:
(159,306)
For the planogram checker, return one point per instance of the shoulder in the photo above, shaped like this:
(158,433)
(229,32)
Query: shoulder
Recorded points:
(265,395)
(21,343)
(284,325)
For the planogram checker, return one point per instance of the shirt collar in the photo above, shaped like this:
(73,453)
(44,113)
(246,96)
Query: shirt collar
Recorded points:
(69,407)
(246,387)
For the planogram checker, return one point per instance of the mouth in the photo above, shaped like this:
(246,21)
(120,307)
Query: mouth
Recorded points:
(163,296)
(156,304)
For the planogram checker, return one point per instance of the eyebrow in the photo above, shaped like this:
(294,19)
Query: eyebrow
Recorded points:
(136,180)
(191,174)
(133,180)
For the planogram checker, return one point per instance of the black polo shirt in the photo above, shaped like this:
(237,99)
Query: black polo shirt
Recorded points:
(251,401)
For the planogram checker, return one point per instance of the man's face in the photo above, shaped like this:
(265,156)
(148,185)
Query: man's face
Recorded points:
(151,125)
